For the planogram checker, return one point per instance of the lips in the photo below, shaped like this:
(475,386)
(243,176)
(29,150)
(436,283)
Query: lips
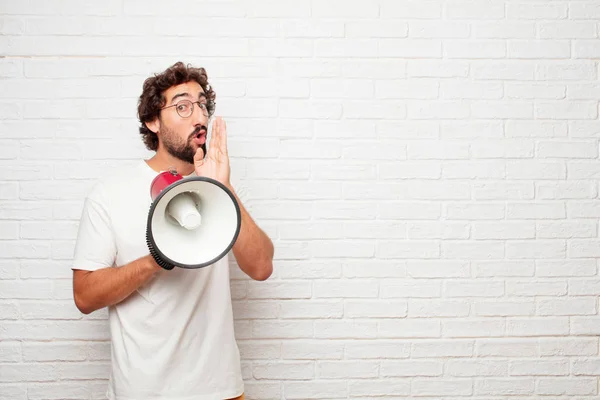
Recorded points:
(200,137)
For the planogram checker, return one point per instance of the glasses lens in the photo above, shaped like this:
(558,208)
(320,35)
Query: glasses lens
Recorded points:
(184,108)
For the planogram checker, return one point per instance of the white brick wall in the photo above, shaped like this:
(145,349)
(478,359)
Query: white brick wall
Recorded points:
(428,171)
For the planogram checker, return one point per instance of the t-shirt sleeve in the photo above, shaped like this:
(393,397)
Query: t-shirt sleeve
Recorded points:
(95,247)
(242,191)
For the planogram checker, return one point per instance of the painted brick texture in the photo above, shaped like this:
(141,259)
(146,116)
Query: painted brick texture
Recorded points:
(427,170)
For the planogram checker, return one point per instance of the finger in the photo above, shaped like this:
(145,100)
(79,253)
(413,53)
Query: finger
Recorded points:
(199,156)
(219,137)
(224,137)
(220,133)
(214,140)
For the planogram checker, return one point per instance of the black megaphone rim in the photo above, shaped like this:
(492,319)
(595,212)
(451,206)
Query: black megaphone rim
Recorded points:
(164,261)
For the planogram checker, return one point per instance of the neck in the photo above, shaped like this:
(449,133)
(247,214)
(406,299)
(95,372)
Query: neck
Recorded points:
(163,161)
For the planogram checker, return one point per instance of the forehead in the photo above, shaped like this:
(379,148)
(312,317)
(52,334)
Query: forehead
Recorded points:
(191,89)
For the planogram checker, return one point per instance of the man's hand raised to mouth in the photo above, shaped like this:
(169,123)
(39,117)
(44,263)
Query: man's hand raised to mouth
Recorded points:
(216,163)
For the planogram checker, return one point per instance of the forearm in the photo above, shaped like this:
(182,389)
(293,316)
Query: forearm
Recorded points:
(253,249)
(94,290)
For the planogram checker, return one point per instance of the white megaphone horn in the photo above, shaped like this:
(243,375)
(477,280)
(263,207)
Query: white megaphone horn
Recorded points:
(193,222)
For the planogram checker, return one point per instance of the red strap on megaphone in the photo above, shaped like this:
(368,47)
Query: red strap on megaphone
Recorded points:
(163,180)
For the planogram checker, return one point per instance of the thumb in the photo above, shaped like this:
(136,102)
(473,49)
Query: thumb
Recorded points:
(198,160)
(199,157)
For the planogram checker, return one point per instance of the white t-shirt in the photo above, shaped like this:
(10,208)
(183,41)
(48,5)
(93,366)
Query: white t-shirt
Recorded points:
(172,339)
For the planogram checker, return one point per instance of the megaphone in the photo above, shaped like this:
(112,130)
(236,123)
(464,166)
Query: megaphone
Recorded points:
(192,223)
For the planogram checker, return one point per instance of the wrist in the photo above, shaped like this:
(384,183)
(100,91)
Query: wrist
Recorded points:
(151,265)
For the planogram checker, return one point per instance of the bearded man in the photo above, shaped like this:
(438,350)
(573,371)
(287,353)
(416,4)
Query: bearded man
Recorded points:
(172,335)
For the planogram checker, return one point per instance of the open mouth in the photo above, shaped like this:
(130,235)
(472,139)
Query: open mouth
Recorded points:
(199,137)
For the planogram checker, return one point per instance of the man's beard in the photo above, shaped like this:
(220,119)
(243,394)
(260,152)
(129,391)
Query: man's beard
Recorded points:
(176,147)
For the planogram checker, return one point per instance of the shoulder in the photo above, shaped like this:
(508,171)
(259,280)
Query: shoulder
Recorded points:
(115,183)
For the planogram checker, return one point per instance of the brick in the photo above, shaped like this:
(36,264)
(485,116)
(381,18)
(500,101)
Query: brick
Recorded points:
(377,349)
(570,268)
(375,309)
(507,347)
(503,387)
(58,391)
(585,49)
(443,348)
(474,211)
(536,10)
(10,352)
(345,47)
(27,373)
(477,368)
(539,49)
(436,230)
(506,149)
(503,70)
(542,326)
(252,309)
(413,368)
(568,346)
(346,288)
(441,387)
(473,328)
(283,370)
(567,190)
(437,29)
(437,69)
(504,308)
(299,269)
(312,350)
(475,49)
(539,249)
(473,9)
(585,367)
(346,329)
(582,287)
(528,91)
(282,329)
(414,328)
(13,391)
(584,325)
(411,9)
(575,306)
(540,287)
(504,30)
(567,386)
(384,387)
(567,30)
(436,308)
(250,350)
(311,309)
(375,29)
(302,28)
(262,390)
(507,268)
(472,249)
(410,288)
(347,369)
(471,129)
(413,48)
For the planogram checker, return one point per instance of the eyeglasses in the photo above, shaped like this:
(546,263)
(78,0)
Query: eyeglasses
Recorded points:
(185,108)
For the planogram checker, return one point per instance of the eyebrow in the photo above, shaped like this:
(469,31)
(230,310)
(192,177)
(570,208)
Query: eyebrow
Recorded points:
(201,95)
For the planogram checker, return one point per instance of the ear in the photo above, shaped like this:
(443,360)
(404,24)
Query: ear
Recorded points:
(153,125)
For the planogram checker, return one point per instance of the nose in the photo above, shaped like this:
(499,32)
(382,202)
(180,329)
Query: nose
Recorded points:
(198,116)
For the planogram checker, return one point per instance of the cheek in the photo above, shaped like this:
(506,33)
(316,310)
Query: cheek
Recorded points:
(177,129)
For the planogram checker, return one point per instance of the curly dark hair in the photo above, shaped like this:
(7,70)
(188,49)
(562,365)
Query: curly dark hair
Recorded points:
(152,98)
